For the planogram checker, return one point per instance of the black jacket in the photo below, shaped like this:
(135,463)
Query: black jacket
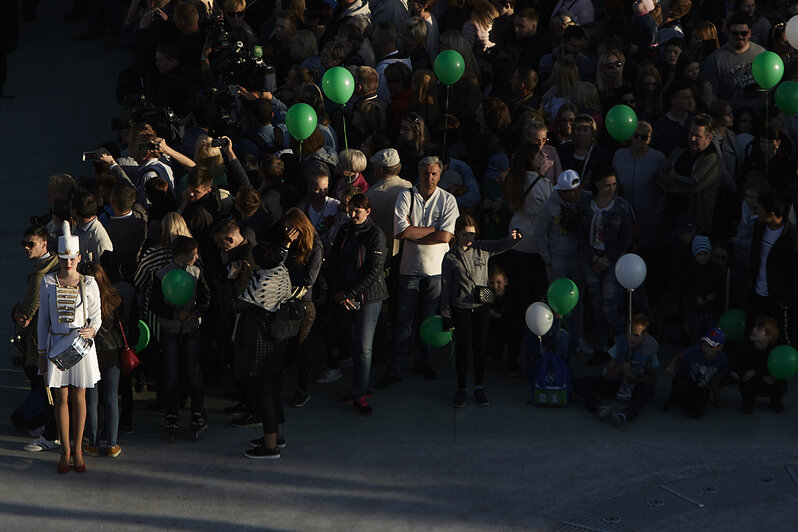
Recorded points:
(782,263)
(357,262)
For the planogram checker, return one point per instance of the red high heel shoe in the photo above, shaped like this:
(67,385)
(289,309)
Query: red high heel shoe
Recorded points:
(80,468)
(63,468)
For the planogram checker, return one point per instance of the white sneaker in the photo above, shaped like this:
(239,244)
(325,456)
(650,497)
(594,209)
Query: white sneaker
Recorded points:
(41,444)
(328,375)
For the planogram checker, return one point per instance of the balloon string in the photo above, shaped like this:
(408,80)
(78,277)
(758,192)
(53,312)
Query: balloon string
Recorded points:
(629,326)
(346,142)
(454,387)
(766,125)
(445,121)
(300,152)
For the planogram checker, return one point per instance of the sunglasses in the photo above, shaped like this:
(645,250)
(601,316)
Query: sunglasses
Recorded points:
(739,33)
(235,13)
(27,244)
(640,137)
(616,64)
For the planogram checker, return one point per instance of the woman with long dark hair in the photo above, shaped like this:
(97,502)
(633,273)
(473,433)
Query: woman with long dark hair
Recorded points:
(108,341)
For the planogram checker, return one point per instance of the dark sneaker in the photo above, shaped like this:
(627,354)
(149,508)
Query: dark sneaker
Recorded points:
(247,420)
(363,407)
(263,453)
(426,371)
(619,419)
(748,407)
(777,407)
(481,397)
(603,412)
(387,380)
(239,408)
(126,428)
(328,375)
(459,400)
(257,442)
(513,369)
(299,399)
(348,398)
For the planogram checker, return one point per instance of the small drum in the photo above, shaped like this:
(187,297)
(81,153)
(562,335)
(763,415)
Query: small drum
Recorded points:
(70,350)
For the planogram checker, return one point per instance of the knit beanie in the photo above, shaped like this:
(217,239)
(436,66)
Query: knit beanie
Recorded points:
(701,243)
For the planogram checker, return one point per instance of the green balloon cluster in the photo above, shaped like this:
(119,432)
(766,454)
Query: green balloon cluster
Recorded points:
(787,97)
(338,84)
(767,68)
(562,295)
(449,66)
(621,122)
(432,332)
(301,121)
(732,323)
(783,362)
(178,286)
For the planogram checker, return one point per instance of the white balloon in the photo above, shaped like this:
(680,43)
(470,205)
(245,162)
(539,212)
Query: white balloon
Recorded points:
(630,270)
(539,318)
(792,31)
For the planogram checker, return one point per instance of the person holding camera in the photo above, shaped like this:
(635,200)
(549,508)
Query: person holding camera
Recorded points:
(357,285)
(466,298)
(26,314)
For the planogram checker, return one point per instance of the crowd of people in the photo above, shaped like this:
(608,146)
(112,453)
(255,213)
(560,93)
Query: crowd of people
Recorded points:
(416,199)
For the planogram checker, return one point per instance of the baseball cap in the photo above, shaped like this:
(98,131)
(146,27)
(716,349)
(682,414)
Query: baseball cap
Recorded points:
(386,158)
(714,337)
(497,165)
(568,180)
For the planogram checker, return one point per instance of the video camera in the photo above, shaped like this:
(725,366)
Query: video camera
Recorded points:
(233,63)
(139,109)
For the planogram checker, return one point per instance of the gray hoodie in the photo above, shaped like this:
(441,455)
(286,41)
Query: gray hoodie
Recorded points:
(556,235)
(461,271)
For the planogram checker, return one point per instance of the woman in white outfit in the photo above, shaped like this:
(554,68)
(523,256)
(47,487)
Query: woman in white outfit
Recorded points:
(69,305)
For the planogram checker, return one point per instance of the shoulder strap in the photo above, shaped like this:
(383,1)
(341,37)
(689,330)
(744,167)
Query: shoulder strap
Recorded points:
(530,187)
(83,301)
(409,215)
(121,328)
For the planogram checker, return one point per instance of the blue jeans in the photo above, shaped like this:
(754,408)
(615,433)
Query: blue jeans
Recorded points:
(604,293)
(109,383)
(181,352)
(417,298)
(364,322)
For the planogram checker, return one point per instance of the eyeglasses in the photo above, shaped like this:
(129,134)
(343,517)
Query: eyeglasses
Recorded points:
(739,33)
(27,244)
(611,64)
(640,136)
(235,13)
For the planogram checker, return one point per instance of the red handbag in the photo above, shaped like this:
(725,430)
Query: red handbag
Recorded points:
(128,359)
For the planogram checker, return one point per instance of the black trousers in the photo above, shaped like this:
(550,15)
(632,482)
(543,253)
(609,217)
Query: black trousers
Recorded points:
(37,384)
(264,392)
(687,394)
(753,388)
(590,388)
(471,332)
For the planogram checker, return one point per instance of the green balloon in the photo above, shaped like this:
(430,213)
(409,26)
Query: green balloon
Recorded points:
(449,67)
(732,323)
(767,68)
(338,84)
(144,337)
(432,332)
(178,286)
(787,97)
(562,295)
(621,122)
(301,121)
(783,362)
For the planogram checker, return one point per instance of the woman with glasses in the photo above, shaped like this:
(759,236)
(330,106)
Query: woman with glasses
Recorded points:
(636,169)
(563,124)
(609,77)
(582,154)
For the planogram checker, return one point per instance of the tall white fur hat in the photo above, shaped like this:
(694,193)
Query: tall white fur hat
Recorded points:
(68,245)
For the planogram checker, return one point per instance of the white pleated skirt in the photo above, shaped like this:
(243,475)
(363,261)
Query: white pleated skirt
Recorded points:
(84,374)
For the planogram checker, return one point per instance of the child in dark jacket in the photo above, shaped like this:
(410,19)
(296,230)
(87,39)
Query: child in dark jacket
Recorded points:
(702,288)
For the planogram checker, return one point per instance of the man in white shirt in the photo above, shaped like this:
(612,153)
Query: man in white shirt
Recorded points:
(424,218)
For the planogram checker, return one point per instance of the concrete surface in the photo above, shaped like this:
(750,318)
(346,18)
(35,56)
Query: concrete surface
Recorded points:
(415,465)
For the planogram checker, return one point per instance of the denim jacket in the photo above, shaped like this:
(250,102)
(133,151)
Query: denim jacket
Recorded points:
(617,226)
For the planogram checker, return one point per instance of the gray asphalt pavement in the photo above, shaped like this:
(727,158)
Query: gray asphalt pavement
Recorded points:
(415,465)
